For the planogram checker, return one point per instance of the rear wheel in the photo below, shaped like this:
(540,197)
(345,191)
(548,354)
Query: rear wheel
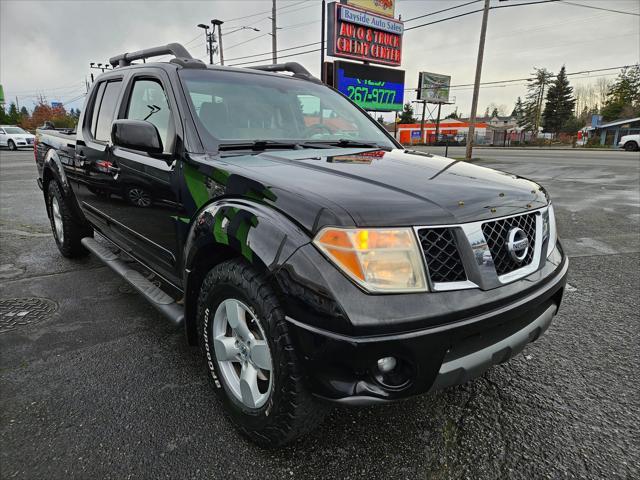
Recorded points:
(631,146)
(67,231)
(250,358)
(12,146)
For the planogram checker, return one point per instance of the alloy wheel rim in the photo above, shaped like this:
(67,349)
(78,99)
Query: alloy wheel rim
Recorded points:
(242,353)
(57,219)
(139,197)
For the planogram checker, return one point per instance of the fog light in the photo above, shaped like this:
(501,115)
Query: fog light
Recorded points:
(387,364)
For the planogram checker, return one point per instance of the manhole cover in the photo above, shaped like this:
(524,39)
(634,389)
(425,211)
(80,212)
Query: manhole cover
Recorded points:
(19,312)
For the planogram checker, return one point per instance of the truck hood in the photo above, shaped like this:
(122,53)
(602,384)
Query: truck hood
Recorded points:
(365,187)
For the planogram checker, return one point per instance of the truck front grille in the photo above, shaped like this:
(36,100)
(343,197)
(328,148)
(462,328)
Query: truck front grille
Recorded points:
(496,234)
(441,255)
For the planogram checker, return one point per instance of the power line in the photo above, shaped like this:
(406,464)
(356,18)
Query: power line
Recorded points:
(440,11)
(477,11)
(47,89)
(526,83)
(247,41)
(74,99)
(281,50)
(279,56)
(265,11)
(498,82)
(601,8)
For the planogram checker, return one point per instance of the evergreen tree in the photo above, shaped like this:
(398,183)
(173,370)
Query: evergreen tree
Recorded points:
(560,103)
(495,112)
(532,108)
(623,97)
(24,112)
(518,110)
(13,117)
(406,116)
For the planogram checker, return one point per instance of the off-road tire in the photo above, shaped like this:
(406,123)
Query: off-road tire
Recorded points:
(73,230)
(631,146)
(291,411)
(12,146)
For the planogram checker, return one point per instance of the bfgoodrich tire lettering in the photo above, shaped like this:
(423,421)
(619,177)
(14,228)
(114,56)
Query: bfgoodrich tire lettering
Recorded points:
(290,411)
(67,231)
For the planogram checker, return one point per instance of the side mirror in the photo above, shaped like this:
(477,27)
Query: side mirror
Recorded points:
(137,135)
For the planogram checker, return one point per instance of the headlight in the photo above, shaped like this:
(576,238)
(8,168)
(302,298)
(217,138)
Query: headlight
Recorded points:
(379,260)
(549,229)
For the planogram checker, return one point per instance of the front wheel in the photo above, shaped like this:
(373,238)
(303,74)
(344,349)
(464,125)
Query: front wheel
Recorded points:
(12,146)
(631,146)
(250,357)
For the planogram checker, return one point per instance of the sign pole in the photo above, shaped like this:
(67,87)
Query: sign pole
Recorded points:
(323,16)
(424,107)
(438,122)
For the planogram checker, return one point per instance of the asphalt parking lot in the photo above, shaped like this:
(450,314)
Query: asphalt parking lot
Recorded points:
(102,387)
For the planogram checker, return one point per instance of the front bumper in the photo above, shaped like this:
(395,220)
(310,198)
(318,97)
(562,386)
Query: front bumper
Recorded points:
(343,368)
(20,143)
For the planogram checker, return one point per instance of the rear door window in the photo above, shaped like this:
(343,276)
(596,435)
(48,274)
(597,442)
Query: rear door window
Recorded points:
(103,116)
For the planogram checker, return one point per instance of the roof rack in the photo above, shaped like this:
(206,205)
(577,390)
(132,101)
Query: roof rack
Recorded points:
(293,67)
(182,56)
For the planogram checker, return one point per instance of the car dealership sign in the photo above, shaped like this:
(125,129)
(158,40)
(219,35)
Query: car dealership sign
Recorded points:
(383,7)
(361,35)
(375,89)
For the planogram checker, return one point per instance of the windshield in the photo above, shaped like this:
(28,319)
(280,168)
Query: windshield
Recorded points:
(14,130)
(234,106)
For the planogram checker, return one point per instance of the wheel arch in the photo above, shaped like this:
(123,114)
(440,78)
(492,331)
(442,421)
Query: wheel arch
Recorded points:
(228,229)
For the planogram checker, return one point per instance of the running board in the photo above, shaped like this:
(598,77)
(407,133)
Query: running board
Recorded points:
(158,298)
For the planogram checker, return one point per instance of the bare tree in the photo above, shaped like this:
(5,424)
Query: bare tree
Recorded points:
(602,89)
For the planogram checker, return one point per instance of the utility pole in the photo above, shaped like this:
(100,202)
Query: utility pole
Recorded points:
(218,23)
(274,39)
(476,86)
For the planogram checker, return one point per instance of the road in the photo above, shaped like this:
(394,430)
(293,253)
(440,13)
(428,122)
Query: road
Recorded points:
(102,387)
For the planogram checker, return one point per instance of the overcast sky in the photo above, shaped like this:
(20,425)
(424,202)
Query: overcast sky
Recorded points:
(46,46)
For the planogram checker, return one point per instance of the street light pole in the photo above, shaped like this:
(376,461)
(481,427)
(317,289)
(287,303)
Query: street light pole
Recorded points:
(209,40)
(476,85)
(218,23)
(274,28)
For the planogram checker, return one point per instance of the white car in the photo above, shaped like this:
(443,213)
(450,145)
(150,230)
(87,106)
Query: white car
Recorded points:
(14,137)
(631,143)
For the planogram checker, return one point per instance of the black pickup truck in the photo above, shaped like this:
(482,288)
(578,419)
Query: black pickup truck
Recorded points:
(312,257)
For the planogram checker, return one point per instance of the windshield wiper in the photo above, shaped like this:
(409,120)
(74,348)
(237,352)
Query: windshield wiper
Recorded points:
(344,142)
(259,145)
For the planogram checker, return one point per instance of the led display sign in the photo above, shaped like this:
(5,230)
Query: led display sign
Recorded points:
(362,35)
(372,88)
